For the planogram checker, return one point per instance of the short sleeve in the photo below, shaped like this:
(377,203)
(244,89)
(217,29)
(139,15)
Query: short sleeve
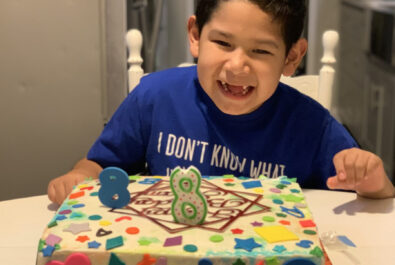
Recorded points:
(121,143)
(335,138)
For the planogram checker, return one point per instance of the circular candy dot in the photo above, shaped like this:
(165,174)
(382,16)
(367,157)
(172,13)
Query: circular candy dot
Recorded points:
(205,261)
(73,202)
(268,219)
(132,230)
(274,190)
(216,238)
(94,217)
(65,212)
(309,232)
(278,201)
(80,205)
(280,186)
(60,217)
(105,223)
(284,182)
(190,248)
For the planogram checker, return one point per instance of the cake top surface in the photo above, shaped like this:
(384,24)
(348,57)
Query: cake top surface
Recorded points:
(247,220)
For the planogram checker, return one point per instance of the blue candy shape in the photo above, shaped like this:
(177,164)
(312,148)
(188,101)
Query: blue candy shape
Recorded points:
(252,184)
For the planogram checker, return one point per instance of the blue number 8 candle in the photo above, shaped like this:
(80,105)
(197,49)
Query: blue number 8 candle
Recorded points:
(113,191)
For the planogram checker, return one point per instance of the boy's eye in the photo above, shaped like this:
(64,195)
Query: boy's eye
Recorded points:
(222,43)
(260,51)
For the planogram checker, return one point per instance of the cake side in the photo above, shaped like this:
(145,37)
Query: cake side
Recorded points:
(248,221)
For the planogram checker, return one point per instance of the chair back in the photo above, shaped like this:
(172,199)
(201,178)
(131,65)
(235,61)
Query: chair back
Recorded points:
(319,87)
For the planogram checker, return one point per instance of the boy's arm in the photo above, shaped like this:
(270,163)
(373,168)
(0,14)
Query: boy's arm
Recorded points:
(59,188)
(363,172)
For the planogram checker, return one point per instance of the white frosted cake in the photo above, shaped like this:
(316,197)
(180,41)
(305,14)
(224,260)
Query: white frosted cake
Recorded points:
(248,221)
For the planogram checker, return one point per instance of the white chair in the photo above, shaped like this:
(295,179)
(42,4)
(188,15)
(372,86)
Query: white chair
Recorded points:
(318,87)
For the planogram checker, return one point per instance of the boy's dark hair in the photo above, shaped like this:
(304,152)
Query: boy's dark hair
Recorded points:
(289,13)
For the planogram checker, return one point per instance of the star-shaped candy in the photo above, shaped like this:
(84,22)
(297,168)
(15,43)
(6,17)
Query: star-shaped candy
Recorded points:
(237,231)
(94,244)
(147,260)
(279,248)
(77,228)
(247,244)
(256,223)
(144,242)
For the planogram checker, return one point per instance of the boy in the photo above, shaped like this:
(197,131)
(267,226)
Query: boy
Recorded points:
(230,114)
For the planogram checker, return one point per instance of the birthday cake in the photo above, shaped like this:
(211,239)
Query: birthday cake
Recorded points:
(234,221)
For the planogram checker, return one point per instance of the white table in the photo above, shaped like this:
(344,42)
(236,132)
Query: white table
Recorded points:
(370,224)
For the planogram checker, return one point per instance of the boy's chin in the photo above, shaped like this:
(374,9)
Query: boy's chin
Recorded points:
(236,110)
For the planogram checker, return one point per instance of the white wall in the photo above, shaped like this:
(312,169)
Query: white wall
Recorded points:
(173,46)
(51,82)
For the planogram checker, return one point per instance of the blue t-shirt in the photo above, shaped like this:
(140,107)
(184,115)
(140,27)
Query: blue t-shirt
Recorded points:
(168,120)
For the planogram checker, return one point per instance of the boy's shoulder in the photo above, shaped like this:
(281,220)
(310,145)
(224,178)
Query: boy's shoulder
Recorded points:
(166,85)
(292,96)
(301,107)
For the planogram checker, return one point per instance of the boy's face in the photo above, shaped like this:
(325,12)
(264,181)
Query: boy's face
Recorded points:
(241,56)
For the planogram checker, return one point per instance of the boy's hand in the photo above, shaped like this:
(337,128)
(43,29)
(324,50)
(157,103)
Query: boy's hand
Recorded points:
(60,188)
(361,171)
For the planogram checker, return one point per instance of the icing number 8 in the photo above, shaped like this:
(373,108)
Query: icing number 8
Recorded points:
(113,191)
(189,205)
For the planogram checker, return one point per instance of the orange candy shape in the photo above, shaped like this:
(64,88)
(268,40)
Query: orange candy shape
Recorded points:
(132,230)
(76,195)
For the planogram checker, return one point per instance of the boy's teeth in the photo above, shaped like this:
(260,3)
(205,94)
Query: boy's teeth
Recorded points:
(244,91)
(225,85)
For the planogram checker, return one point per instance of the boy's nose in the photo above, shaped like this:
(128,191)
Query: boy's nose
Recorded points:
(237,63)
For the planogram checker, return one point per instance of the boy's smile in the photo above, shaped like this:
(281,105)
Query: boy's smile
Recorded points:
(235,90)
(241,56)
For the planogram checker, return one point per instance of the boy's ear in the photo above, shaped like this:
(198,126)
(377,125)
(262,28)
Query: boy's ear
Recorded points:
(193,36)
(295,56)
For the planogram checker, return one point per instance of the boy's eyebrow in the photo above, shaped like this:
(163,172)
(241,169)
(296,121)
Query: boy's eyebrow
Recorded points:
(267,42)
(230,35)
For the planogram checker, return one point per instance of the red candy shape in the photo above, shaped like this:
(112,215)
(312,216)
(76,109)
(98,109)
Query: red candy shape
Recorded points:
(307,223)
(87,188)
(123,218)
(72,259)
(285,222)
(237,231)
(147,260)
(82,239)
